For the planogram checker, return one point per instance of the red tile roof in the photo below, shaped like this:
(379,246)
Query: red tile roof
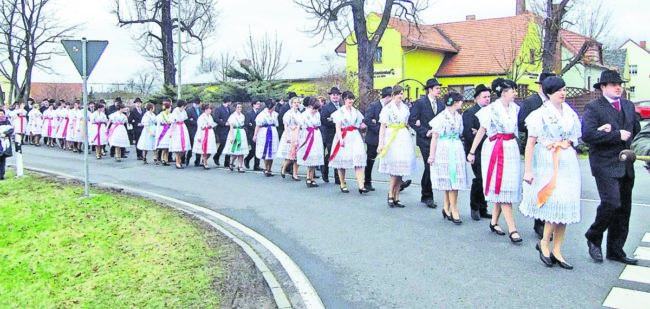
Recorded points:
(487,46)
(574,41)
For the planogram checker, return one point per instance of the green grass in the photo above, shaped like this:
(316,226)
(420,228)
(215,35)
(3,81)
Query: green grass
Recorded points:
(107,251)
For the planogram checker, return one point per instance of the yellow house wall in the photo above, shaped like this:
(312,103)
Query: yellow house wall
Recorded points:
(305,87)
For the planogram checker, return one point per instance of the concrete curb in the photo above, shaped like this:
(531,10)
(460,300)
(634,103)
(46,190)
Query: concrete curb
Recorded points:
(308,295)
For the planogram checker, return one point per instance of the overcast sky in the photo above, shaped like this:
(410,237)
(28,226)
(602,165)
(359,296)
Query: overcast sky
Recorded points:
(121,59)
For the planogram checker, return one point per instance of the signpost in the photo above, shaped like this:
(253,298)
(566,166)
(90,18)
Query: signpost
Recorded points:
(85,54)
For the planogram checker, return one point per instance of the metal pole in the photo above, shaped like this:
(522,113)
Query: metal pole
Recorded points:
(178,49)
(84,77)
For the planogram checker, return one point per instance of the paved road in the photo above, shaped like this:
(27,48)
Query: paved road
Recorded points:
(360,254)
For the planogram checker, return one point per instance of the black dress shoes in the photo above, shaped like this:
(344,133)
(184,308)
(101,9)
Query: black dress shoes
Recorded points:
(429,203)
(595,252)
(247,164)
(369,187)
(623,259)
(404,185)
(484,214)
(564,265)
(475,215)
(547,260)
(257,168)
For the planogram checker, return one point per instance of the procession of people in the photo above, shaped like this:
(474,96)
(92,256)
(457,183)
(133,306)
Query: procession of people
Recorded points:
(304,133)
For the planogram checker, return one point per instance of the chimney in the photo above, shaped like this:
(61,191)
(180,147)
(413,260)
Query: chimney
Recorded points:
(470,17)
(521,7)
(643,45)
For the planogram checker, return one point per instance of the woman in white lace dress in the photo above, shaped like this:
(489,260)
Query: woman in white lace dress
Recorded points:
(266,136)
(163,136)
(552,173)
(49,125)
(237,142)
(205,142)
(287,149)
(396,151)
(447,156)
(63,120)
(75,135)
(118,137)
(310,151)
(147,141)
(97,133)
(179,142)
(349,151)
(500,158)
(35,125)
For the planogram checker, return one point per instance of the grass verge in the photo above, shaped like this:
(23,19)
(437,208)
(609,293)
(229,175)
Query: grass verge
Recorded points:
(110,250)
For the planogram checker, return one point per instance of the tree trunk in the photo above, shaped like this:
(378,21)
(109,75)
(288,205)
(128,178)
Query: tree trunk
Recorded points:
(365,58)
(167,41)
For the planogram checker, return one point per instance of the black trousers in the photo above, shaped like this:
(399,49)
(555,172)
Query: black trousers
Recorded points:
(188,156)
(427,187)
(222,146)
(251,154)
(3,166)
(371,152)
(325,170)
(613,213)
(136,136)
(477,196)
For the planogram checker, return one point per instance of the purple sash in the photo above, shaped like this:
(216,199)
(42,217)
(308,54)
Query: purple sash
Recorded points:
(162,134)
(268,146)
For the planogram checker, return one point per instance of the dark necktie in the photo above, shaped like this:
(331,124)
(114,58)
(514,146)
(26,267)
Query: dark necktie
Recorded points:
(617,105)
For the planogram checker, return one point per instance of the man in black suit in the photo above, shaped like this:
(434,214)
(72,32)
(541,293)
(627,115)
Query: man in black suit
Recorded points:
(220,115)
(529,105)
(328,130)
(251,115)
(193,113)
(609,125)
(135,119)
(422,111)
(371,119)
(470,126)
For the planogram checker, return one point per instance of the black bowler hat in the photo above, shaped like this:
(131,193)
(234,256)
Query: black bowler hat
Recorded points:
(432,83)
(542,76)
(334,90)
(609,76)
(137,100)
(227,98)
(386,91)
(481,88)
(196,101)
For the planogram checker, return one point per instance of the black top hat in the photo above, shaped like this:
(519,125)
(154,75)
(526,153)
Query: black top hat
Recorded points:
(481,88)
(196,100)
(137,100)
(386,91)
(609,76)
(542,76)
(334,90)
(432,83)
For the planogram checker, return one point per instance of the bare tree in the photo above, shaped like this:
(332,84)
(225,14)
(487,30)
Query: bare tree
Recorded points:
(31,37)
(588,18)
(155,28)
(263,59)
(515,61)
(10,46)
(332,17)
(218,66)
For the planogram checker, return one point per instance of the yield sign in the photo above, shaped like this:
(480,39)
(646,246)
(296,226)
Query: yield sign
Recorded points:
(94,50)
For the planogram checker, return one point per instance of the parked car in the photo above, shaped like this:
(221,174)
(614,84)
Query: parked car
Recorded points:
(643,109)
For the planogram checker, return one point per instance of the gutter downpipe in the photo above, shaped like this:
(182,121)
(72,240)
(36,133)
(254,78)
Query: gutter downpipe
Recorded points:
(404,62)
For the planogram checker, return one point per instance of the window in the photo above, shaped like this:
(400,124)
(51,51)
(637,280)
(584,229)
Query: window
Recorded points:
(465,90)
(378,55)
(632,94)
(633,69)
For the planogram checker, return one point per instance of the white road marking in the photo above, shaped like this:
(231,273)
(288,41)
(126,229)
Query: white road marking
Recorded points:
(636,273)
(646,237)
(642,253)
(627,299)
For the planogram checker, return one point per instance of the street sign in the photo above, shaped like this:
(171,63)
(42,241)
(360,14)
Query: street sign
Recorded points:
(85,54)
(94,50)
